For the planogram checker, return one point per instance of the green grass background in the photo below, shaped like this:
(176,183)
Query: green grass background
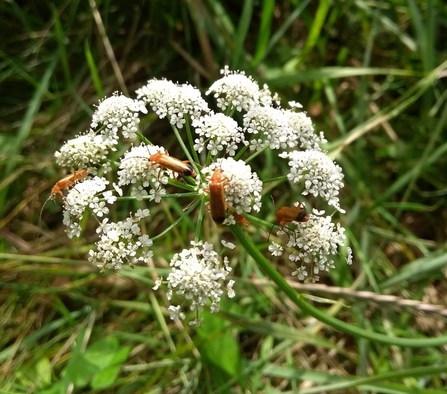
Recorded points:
(372,76)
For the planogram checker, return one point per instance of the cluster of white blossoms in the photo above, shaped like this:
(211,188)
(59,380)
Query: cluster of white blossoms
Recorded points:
(216,145)
(121,243)
(321,176)
(316,243)
(199,276)
(114,114)
(173,101)
(236,91)
(86,150)
(217,133)
(118,113)
(277,128)
(85,195)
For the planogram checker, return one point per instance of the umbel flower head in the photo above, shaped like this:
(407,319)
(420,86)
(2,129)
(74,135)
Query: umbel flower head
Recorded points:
(321,176)
(315,243)
(86,150)
(237,91)
(220,148)
(277,128)
(121,242)
(85,195)
(173,101)
(199,276)
(218,133)
(118,113)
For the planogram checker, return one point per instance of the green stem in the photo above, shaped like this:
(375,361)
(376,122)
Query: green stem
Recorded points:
(143,138)
(322,316)
(190,208)
(182,144)
(191,143)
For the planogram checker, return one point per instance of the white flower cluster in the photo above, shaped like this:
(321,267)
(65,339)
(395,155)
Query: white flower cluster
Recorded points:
(197,273)
(86,150)
(174,101)
(242,186)
(86,195)
(118,113)
(217,133)
(321,176)
(121,242)
(199,276)
(136,167)
(280,129)
(315,242)
(237,91)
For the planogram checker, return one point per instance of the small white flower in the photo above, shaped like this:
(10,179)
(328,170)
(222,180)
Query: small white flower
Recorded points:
(158,283)
(118,113)
(138,192)
(102,226)
(176,313)
(228,245)
(196,322)
(321,176)
(109,197)
(142,213)
(295,104)
(300,273)
(230,291)
(198,275)
(349,255)
(276,249)
(144,240)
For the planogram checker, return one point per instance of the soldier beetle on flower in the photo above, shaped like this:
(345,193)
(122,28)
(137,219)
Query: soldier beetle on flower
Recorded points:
(218,202)
(286,215)
(64,184)
(67,181)
(171,163)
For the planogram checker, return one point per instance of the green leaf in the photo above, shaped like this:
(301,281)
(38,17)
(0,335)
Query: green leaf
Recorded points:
(107,352)
(80,370)
(43,368)
(106,377)
(219,345)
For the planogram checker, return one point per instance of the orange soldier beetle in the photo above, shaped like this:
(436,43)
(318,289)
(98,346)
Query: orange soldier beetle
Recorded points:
(286,215)
(218,202)
(242,220)
(171,163)
(64,184)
